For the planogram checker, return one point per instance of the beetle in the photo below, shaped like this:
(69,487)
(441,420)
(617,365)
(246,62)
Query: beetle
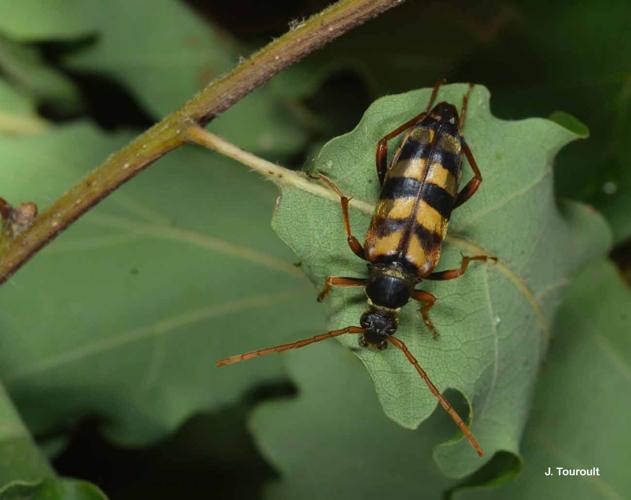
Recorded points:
(419,190)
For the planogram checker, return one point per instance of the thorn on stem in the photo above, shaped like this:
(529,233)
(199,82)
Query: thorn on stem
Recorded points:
(16,220)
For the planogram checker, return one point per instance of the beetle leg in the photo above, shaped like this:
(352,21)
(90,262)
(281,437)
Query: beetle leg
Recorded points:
(455,273)
(381,155)
(472,186)
(353,242)
(340,281)
(465,105)
(428,301)
(399,344)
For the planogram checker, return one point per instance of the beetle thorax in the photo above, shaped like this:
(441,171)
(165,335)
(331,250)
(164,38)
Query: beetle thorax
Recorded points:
(388,287)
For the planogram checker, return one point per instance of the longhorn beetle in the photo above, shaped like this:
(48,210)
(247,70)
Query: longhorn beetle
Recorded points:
(418,192)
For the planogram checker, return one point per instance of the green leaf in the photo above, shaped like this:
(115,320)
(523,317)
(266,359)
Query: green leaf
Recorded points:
(137,300)
(17,112)
(333,441)
(20,460)
(571,123)
(24,472)
(13,102)
(24,67)
(581,408)
(495,320)
(179,55)
(573,422)
(54,489)
(42,20)
(595,35)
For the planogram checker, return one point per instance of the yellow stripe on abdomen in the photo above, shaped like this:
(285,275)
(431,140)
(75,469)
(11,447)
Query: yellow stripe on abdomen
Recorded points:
(428,217)
(415,254)
(414,168)
(377,246)
(439,175)
(398,208)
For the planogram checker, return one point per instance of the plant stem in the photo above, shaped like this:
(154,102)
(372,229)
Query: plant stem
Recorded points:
(279,175)
(170,133)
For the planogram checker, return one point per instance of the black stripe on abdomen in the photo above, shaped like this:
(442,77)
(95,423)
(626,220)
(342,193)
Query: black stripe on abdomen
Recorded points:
(412,150)
(384,226)
(400,187)
(448,160)
(438,198)
(429,239)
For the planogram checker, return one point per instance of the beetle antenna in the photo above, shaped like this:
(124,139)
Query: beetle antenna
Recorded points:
(443,402)
(432,98)
(286,347)
(465,105)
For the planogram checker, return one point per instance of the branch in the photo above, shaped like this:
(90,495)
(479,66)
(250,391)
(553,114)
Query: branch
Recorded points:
(170,133)
(280,176)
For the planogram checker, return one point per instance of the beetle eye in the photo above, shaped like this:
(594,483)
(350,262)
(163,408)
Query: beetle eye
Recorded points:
(366,321)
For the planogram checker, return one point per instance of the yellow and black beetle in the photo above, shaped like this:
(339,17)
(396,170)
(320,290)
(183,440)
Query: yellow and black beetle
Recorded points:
(419,189)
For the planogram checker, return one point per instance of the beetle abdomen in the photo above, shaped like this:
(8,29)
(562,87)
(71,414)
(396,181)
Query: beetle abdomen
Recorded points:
(417,197)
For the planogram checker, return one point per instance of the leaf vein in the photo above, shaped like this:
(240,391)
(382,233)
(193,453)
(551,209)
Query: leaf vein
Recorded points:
(198,239)
(495,344)
(161,327)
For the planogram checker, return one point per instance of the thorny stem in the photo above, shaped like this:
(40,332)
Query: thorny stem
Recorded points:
(172,131)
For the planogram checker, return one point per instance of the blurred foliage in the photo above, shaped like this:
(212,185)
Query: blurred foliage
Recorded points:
(24,472)
(21,460)
(26,69)
(17,112)
(402,59)
(214,446)
(54,489)
(351,452)
(571,57)
(121,319)
(185,277)
(177,57)
(37,20)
